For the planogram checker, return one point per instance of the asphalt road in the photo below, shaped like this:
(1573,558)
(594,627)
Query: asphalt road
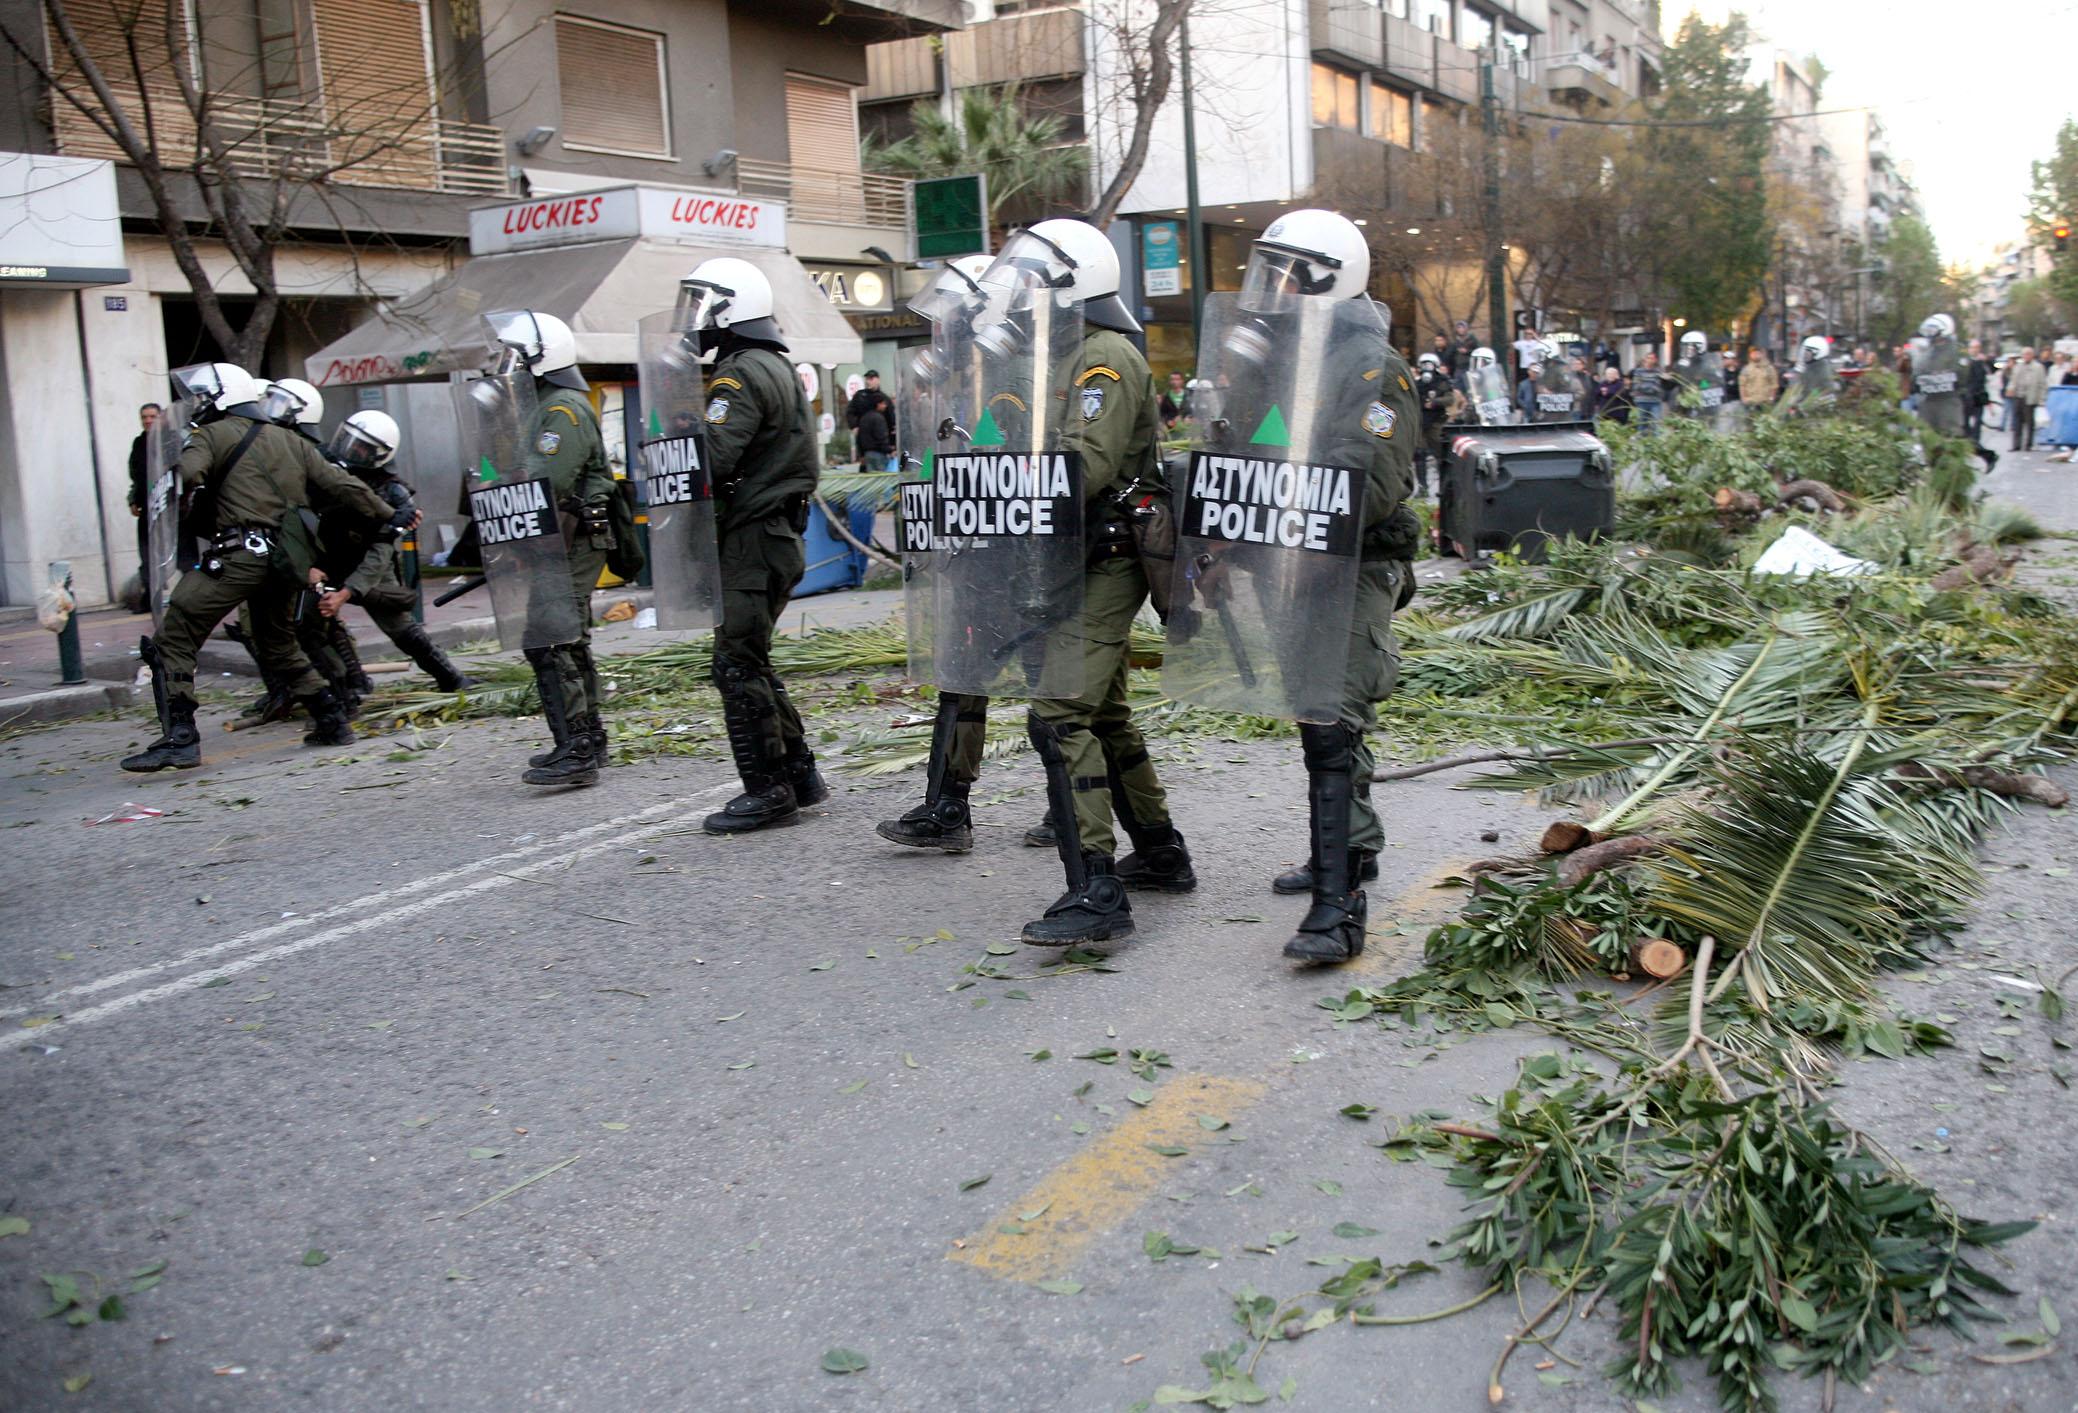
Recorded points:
(292,1036)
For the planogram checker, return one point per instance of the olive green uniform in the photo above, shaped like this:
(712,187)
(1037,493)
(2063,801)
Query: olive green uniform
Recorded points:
(1815,386)
(1365,378)
(1937,381)
(1110,419)
(761,446)
(279,471)
(563,444)
(1701,376)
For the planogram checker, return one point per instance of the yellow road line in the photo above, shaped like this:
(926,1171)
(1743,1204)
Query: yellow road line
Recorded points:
(1106,1182)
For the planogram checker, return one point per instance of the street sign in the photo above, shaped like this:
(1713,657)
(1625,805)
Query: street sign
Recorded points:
(951,216)
(1161,258)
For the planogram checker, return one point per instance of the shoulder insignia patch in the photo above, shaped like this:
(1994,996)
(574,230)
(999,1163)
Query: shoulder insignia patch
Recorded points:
(566,412)
(1404,386)
(1012,398)
(718,410)
(1093,400)
(1099,370)
(547,443)
(1378,420)
(1371,374)
(725,382)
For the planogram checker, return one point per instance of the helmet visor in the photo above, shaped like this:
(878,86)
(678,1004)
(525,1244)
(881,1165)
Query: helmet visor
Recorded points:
(281,405)
(1027,268)
(198,382)
(700,302)
(1278,280)
(516,329)
(952,294)
(354,448)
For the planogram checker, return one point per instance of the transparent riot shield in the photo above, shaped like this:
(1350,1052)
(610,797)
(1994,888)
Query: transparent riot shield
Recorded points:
(684,560)
(1270,514)
(926,397)
(1492,401)
(518,523)
(1558,394)
(162,507)
(1937,372)
(1007,515)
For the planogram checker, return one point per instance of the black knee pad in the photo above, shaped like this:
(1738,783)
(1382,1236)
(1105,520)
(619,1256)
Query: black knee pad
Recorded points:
(1327,746)
(731,675)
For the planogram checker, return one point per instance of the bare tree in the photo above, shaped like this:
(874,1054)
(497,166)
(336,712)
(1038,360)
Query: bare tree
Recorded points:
(222,156)
(1144,40)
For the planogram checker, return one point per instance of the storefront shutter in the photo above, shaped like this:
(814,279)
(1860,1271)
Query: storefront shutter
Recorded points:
(105,29)
(378,103)
(822,125)
(613,87)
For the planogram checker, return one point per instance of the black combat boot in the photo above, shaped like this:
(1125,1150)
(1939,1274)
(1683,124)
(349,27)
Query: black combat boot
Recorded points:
(1300,879)
(768,798)
(944,824)
(179,746)
(548,683)
(342,640)
(1094,909)
(570,761)
(1333,928)
(803,778)
(1159,862)
(1043,835)
(419,646)
(277,703)
(328,724)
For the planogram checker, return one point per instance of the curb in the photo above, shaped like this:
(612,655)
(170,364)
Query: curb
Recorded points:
(66,703)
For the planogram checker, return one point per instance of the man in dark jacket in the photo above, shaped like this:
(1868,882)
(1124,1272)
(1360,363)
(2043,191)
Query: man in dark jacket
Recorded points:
(147,417)
(874,440)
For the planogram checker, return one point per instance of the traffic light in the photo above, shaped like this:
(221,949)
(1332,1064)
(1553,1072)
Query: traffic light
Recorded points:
(2061,233)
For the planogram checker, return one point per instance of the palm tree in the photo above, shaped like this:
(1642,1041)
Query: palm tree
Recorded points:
(1022,154)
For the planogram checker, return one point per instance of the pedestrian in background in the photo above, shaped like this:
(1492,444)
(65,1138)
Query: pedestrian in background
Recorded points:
(1646,391)
(1976,390)
(140,472)
(2026,384)
(875,438)
(1462,342)
(1612,398)
(1176,402)
(1760,382)
(1734,391)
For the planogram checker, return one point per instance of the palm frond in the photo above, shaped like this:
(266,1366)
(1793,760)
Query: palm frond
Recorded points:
(860,490)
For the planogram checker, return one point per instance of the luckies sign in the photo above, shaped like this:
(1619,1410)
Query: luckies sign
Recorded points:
(624,212)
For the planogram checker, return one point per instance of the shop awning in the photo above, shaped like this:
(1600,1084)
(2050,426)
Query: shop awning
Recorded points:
(601,290)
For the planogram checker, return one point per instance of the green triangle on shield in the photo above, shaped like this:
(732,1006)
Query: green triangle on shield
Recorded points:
(484,471)
(988,433)
(1271,431)
(930,465)
(656,424)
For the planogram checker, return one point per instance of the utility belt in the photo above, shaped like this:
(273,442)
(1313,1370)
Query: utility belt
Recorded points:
(1137,521)
(256,540)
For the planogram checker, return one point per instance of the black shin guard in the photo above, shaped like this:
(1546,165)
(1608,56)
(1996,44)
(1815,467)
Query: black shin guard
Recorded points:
(1333,928)
(1060,799)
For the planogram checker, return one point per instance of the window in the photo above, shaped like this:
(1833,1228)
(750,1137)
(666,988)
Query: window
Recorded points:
(1392,115)
(612,82)
(1433,15)
(1476,29)
(1335,99)
(822,125)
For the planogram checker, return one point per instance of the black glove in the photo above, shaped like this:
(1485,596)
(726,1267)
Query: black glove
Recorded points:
(598,521)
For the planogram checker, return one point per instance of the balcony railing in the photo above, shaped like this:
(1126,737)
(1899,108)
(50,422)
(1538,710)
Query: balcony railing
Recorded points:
(267,139)
(828,194)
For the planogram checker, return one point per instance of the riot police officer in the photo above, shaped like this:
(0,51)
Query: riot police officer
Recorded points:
(1559,394)
(365,567)
(1937,369)
(1432,387)
(1697,373)
(762,458)
(1094,400)
(1815,384)
(1486,387)
(248,476)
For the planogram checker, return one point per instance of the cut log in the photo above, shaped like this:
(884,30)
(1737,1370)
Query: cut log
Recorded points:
(1563,836)
(1737,501)
(2011,784)
(1585,863)
(1657,957)
(1981,564)
(1821,495)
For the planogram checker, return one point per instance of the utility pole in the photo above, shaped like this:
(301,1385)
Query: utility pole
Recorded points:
(1194,224)
(1498,334)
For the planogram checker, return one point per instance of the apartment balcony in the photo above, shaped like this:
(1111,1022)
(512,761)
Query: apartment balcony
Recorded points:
(1583,77)
(270,139)
(1047,44)
(1347,30)
(1362,174)
(827,196)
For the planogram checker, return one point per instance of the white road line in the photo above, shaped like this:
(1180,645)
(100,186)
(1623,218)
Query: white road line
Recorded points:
(387,895)
(194,980)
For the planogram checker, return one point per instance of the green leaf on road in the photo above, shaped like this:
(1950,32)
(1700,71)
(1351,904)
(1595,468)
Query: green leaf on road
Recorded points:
(909,1061)
(1078,1128)
(843,1361)
(1288,1390)
(14,1226)
(1329,1186)
(1061,1287)
(614,1128)
(487,1153)
(112,1308)
(1167,1150)
(77,1382)
(824,966)
(1350,1231)
(743,1064)
(1038,1055)
(1211,1124)
(2049,1320)
(854,1087)
(724,1020)
(1799,1312)
(1360,1112)
(64,1295)
(973,1182)
(1035,1214)
(315,1257)
(215,981)
(1102,1057)
(1282,1238)
(1142,1097)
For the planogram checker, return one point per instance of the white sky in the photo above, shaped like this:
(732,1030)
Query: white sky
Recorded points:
(1970,94)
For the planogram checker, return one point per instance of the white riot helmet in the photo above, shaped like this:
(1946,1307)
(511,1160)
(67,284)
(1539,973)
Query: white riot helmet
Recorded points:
(212,389)
(1428,360)
(1814,349)
(1305,253)
(1070,259)
(727,296)
(291,402)
(1695,342)
(540,342)
(364,441)
(957,290)
(1937,326)
(1482,358)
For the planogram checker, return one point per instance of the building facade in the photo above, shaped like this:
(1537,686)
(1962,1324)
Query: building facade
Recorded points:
(383,124)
